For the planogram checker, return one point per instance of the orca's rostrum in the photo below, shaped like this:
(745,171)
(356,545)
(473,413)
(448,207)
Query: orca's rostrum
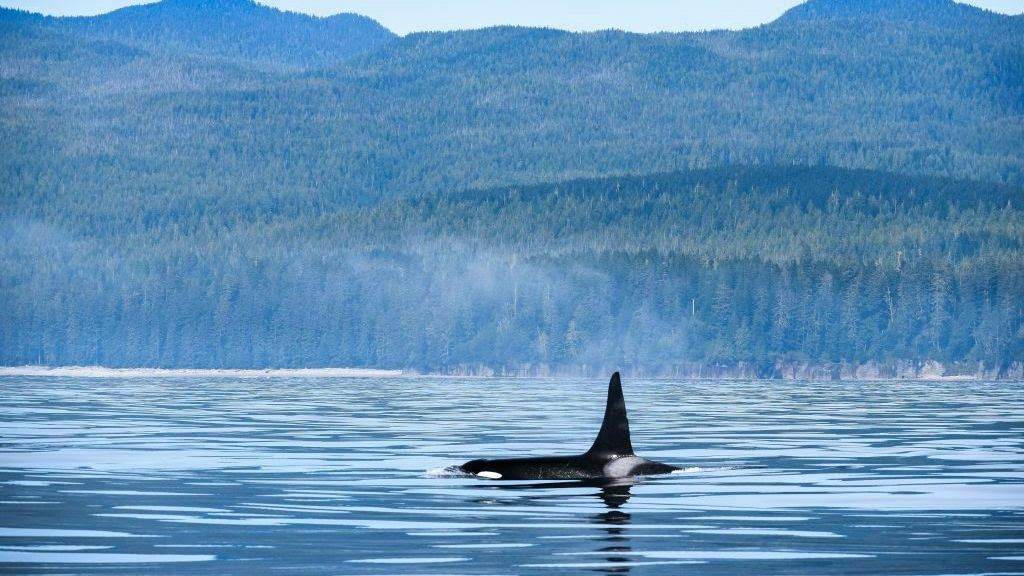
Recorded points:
(610,457)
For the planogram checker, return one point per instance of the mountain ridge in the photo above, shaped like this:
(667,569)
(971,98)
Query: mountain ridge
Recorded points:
(453,201)
(239,30)
(809,10)
(433,112)
(901,9)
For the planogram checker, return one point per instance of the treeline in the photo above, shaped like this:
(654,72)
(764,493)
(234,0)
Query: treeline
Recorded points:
(755,266)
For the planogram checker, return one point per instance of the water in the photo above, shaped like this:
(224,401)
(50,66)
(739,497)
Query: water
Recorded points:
(346,476)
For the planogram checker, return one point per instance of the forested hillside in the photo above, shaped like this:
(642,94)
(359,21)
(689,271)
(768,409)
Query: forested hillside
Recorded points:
(762,266)
(237,30)
(448,111)
(216,183)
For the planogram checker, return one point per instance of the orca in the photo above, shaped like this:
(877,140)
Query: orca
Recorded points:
(611,457)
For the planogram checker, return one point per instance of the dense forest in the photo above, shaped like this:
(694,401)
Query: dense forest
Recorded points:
(839,188)
(656,273)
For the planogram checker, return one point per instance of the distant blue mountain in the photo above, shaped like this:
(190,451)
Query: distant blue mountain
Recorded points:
(239,30)
(343,105)
(931,11)
(217,183)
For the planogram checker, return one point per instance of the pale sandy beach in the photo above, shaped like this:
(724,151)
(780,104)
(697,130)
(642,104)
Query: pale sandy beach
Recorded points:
(103,372)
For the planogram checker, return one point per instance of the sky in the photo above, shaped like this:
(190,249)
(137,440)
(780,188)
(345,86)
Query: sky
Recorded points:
(404,16)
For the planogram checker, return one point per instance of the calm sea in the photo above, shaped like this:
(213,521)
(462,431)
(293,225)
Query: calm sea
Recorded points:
(347,476)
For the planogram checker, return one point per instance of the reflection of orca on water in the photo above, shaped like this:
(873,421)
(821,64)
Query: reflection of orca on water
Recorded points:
(611,456)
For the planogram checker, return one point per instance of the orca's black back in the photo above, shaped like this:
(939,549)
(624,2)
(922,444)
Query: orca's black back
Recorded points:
(546,467)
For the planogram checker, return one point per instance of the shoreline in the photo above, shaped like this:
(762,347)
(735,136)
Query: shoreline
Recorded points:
(102,372)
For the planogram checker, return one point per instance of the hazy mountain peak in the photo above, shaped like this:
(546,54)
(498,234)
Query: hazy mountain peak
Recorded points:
(215,5)
(14,14)
(206,3)
(869,9)
(237,30)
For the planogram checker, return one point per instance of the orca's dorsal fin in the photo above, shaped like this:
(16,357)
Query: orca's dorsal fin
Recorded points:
(613,439)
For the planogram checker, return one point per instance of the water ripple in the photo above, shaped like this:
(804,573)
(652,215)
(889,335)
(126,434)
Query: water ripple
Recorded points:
(328,476)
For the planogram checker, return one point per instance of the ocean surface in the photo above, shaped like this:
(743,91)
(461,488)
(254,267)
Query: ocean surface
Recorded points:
(312,476)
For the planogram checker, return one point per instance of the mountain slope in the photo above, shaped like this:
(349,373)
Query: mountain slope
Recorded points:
(239,30)
(944,12)
(763,266)
(442,111)
(486,198)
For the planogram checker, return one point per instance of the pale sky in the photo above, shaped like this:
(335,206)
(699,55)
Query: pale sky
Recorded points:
(404,16)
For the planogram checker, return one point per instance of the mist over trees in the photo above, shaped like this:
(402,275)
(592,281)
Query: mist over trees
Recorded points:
(841,186)
(652,273)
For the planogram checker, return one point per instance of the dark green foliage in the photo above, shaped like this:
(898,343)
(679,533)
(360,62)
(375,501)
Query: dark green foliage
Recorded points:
(717,267)
(238,30)
(253,188)
(937,12)
(437,112)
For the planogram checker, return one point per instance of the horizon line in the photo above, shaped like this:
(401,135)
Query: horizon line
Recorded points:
(777,10)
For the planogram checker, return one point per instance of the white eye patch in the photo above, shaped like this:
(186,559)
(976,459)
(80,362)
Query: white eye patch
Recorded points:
(491,475)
